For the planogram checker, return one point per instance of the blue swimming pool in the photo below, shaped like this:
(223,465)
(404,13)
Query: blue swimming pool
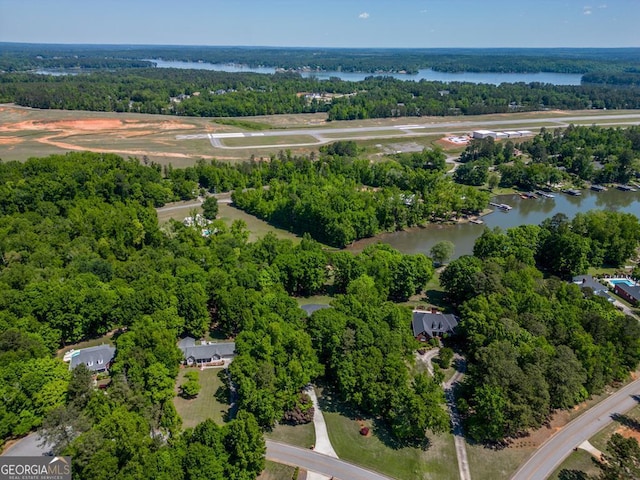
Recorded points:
(622,281)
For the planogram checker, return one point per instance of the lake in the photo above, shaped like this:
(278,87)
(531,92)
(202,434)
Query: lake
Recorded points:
(524,212)
(423,74)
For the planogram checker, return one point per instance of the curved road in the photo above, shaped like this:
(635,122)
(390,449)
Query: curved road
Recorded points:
(318,462)
(550,455)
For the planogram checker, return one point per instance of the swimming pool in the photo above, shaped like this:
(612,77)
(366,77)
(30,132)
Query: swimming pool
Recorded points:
(622,281)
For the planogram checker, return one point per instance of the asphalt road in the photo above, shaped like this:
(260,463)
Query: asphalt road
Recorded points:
(28,446)
(413,129)
(551,454)
(318,462)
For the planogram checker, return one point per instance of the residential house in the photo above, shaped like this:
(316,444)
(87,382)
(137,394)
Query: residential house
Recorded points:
(587,281)
(431,324)
(630,293)
(206,352)
(97,359)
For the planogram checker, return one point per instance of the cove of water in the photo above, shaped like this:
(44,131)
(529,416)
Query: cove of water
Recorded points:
(524,212)
(423,74)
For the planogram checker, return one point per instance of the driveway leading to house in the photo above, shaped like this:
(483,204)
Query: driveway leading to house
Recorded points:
(456,422)
(323,444)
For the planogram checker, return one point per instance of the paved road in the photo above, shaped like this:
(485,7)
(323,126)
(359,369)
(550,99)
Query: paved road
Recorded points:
(317,462)
(551,454)
(28,446)
(415,129)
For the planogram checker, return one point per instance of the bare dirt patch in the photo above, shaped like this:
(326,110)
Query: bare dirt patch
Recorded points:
(628,432)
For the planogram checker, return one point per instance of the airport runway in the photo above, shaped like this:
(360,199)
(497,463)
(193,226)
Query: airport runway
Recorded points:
(407,130)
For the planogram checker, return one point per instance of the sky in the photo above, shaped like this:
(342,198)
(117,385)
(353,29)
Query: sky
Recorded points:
(325,23)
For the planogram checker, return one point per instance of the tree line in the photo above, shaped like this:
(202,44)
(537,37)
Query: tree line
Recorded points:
(203,93)
(82,255)
(534,343)
(568,60)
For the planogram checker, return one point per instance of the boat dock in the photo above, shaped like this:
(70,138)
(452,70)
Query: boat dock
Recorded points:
(545,194)
(501,206)
(626,188)
(571,191)
(598,188)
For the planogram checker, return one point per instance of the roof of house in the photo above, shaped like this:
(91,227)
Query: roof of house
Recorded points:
(95,358)
(587,281)
(634,291)
(432,323)
(186,342)
(208,350)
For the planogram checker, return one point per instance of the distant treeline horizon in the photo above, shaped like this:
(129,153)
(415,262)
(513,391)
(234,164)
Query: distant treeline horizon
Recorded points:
(29,56)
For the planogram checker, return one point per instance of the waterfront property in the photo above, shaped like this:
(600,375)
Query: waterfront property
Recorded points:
(432,324)
(206,353)
(97,359)
(587,281)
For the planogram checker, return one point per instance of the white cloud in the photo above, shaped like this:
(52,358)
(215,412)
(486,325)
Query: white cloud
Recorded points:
(424,11)
(604,5)
(587,11)
(363,15)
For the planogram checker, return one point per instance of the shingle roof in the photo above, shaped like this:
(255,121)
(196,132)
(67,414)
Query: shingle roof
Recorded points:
(221,349)
(433,324)
(95,358)
(587,281)
(634,291)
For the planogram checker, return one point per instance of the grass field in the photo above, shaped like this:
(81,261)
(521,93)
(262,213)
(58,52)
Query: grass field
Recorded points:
(489,464)
(579,461)
(257,228)
(299,435)
(379,452)
(105,339)
(205,405)
(277,471)
(270,141)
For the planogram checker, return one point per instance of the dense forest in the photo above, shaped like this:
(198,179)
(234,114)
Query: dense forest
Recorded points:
(537,343)
(82,255)
(576,154)
(221,94)
(17,56)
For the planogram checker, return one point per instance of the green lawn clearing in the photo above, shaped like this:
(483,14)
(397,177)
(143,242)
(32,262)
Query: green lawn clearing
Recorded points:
(298,435)
(206,404)
(378,451)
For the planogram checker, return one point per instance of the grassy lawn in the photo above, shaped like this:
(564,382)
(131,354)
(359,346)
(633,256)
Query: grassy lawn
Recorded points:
(315,299)
(380,453)
(205,405)
(299,435)
(398,132)
(579,461)
(257,228)
(489,464)
(270,140)
(106,339)
(277,471)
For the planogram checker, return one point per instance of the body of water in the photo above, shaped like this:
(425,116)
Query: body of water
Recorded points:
(524,212)
(423,74)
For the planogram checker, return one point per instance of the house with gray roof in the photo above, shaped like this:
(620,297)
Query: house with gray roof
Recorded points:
(587,281)
(431,324)
(205,352)
(97,359)
(630,293)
